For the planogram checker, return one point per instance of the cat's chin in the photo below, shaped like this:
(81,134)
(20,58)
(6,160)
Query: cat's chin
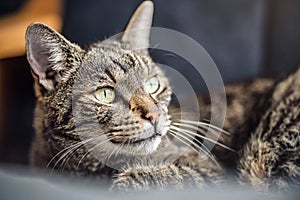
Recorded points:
(147,146)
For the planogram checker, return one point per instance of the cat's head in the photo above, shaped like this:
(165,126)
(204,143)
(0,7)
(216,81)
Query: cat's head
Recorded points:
(112,89)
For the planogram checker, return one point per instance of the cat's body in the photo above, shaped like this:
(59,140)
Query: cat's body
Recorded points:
(115,89)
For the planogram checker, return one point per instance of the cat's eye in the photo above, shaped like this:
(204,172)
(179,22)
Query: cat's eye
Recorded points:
(105,95)
(152,85)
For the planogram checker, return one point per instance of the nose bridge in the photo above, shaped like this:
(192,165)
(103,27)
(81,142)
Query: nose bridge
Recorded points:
(142,103)
(145,106)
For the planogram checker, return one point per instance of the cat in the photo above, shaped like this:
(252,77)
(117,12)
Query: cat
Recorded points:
(105,112)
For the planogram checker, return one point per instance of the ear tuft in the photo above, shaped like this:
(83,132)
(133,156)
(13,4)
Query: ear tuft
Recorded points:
(50,55)
(137,32)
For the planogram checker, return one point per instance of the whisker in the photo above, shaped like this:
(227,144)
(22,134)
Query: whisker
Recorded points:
(67,155)
(181,113)
(108,157)
(190,139)
(205,124)
(205,150)
(71,146)
(202,137)
(119,149)
(198,128)
(174,134)
(154,47)
(74,149)
(93,139)
(88,151)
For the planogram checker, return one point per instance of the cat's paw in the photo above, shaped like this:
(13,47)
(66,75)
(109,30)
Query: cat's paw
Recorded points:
(129,181)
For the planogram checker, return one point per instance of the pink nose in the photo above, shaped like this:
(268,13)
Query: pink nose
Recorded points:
(153,116)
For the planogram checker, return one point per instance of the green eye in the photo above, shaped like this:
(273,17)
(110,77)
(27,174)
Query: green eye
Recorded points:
(105,95)
(152,85)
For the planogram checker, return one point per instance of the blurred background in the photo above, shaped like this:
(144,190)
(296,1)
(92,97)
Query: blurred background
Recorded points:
(245,38)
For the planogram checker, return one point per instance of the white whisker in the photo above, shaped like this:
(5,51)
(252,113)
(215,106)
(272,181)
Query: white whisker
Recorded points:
(205,150)
(65,149)
(73,148)
(174,134)
(115,150)
(206,125)
(199,128)
(108,139)
(201,136)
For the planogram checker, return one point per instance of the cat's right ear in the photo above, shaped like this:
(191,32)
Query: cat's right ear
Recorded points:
(137,32)
(52,57)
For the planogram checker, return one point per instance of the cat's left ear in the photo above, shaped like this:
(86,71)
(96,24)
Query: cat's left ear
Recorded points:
(137,32)
(51,56)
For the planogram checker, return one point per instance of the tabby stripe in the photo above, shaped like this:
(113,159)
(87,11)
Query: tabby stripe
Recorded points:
(285,97)
(175,171)
(83,124)
(119,65)
(142,64)
(277,125)
(110,75)
(62,135)
(151,179)
(162,92)
(207,177)
(104,119)
(131,59)
(119,131)
(67,116)
(186,173)
(135,179)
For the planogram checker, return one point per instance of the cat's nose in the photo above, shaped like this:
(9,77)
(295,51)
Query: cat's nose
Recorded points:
(146,108)
(153,116)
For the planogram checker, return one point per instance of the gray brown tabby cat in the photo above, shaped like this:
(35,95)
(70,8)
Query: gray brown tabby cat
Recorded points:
(104,112)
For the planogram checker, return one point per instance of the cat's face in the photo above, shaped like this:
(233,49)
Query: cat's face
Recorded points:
(112,89)
(126,93)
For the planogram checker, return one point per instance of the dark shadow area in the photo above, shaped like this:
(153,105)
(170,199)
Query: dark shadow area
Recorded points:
(16,110)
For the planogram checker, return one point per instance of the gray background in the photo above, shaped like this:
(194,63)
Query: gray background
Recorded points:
(245,38)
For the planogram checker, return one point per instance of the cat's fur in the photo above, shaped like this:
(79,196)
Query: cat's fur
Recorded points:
(262,115)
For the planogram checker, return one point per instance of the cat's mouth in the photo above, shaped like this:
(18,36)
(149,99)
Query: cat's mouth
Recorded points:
(144,141)
(137,141)
(139,145)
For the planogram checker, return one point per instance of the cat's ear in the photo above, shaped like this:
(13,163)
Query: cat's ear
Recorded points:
(137,32)
(51,57)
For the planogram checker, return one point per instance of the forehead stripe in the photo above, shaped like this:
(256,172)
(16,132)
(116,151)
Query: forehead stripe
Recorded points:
(162,92)
(142,63)
(111,76)
(117,63)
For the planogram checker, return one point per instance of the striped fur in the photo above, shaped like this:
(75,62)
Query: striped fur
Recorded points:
(263,116)
(271,157)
